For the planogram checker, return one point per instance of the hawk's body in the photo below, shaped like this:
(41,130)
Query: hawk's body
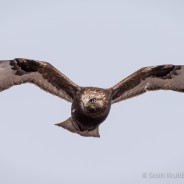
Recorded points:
(90,105)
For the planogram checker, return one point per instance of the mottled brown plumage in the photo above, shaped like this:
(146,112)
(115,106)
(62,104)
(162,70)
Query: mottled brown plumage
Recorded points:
(165,77)
(90,105)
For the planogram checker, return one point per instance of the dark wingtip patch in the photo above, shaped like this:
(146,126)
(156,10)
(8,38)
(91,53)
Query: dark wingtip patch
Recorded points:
(27,65)
(14,65)
(24,66)
(165,71)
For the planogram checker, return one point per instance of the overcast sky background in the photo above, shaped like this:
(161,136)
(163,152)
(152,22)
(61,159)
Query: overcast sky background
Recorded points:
(95,43)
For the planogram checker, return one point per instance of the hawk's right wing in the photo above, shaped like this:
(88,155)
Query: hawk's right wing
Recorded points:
(162,77)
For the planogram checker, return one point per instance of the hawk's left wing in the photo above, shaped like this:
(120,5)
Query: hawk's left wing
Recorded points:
(42,74)
(165,77)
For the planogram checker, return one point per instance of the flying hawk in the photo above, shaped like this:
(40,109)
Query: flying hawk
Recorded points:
(90,105)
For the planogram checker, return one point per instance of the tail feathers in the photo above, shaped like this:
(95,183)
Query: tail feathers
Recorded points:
(70,126)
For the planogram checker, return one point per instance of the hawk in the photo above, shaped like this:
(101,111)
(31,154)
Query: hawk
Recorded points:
(90,105)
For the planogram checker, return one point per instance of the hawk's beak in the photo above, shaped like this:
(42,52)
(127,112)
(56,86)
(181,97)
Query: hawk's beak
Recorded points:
(85,103)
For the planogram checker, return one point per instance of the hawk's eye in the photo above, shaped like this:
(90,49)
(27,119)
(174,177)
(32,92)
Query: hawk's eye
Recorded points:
(93,100)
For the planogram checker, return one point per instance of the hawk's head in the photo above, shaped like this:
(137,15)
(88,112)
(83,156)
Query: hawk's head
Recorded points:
(90,108)
(94,101)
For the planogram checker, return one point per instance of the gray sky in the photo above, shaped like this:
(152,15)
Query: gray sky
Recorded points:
(95,43)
